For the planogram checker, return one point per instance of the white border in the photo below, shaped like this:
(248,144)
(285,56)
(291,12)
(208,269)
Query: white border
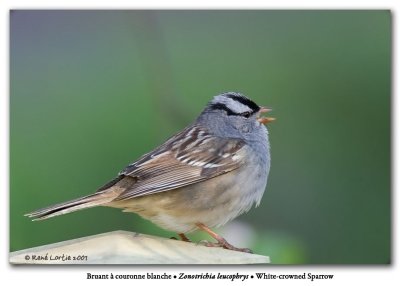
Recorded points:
(369,275)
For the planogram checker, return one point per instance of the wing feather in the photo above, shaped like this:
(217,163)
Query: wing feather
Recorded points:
(183,160)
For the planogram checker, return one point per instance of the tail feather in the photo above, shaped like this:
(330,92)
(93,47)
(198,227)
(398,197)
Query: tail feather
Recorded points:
(103,196)
(71,206)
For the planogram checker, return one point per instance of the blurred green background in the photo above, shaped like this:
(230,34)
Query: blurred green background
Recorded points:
(91,91)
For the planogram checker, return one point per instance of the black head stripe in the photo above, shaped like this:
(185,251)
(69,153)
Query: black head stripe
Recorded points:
(221,106)
(244,100)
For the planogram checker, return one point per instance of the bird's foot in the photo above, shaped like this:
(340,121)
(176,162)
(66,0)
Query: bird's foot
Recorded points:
(182,236)
(221,241)
(224,244)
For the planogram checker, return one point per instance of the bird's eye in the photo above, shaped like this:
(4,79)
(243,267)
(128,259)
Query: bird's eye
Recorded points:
(246,114)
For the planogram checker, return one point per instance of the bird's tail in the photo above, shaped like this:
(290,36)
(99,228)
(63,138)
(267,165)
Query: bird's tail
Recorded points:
(89,201)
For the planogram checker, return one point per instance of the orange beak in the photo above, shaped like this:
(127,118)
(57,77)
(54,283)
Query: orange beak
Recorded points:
(265,120)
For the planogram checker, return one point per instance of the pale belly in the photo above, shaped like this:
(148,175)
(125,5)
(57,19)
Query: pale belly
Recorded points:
(213,202)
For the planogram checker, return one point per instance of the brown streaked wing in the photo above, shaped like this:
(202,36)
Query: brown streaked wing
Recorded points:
(160,151)
(177,168)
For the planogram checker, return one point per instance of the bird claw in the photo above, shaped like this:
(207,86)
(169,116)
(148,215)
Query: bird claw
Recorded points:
(182,236)
(224,245)
(246,250)
(209,243)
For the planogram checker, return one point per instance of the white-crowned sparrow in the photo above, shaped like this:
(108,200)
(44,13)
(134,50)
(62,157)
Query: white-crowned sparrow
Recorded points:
(204,176)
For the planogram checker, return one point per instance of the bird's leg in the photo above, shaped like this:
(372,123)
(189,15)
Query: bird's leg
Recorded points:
(184,237)
(221,241)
